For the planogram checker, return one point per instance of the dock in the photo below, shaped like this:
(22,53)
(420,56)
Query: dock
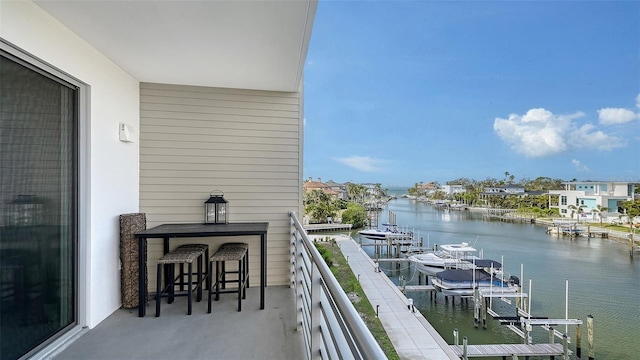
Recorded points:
(326,227)
(411,334)
(509,350)
(418,288)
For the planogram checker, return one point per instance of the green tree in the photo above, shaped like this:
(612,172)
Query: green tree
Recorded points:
(632,209)
(319,205)
(356,192)
(580,211)
(356,215)
(599,210)
(573,209)
(379,192)
(416,190)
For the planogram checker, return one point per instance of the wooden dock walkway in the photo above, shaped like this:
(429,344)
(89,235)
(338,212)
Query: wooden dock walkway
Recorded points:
(417,288)
(510,350)
(383,260)
(326,227)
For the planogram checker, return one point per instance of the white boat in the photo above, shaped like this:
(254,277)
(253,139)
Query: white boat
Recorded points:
(451,256)
(390,232)
(462,282)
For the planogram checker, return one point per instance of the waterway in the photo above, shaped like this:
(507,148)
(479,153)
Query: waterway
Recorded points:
(603,280)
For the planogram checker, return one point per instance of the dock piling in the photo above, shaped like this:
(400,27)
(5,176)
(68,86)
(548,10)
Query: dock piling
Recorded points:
(484,312)
(464,348)
(590,337)
(579,341)
(476,307)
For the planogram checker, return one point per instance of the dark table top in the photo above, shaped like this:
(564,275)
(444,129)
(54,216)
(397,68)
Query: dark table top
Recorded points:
(203,230)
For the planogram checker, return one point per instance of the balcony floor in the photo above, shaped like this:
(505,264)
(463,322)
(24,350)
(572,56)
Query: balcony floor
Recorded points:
(223,334)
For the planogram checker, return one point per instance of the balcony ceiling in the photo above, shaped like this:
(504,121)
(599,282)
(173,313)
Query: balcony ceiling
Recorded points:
(256,44)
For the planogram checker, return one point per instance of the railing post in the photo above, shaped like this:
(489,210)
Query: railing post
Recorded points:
(329,321)
(316,313)
(296,263)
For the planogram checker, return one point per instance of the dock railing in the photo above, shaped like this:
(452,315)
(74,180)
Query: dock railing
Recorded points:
(330,324)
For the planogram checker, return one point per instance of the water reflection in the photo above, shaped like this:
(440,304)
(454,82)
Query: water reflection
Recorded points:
(603,280)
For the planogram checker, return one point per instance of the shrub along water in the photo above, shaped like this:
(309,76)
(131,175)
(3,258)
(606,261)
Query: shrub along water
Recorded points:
(349,283)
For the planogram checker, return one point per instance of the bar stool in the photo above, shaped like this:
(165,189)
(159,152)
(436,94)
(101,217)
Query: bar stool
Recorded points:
(204,251)
(243,246)
(172,258)
(224,254)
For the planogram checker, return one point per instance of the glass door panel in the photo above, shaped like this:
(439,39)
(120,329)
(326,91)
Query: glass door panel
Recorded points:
(38,202)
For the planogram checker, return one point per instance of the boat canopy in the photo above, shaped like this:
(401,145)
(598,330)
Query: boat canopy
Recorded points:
(485,263)
(463,275)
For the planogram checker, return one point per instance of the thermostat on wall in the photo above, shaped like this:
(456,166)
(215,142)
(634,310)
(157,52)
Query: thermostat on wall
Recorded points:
(127,134)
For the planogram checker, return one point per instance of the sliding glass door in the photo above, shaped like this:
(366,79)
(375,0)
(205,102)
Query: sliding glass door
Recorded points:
(38,202)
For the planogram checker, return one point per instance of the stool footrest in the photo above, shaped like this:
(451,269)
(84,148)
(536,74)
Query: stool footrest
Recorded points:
(229,252)
(182,255)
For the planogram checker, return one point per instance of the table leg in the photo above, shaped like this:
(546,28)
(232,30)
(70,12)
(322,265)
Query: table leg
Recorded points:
(263,268)
(167,274)
(142,269)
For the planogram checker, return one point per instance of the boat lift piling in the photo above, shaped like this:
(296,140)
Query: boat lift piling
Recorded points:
(523,323)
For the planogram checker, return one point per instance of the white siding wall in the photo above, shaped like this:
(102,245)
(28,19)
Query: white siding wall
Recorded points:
(247,144)
(109,168)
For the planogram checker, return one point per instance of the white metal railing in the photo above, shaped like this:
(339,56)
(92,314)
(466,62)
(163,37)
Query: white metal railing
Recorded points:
(331,326)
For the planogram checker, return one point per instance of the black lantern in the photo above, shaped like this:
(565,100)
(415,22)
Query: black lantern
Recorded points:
(216,209)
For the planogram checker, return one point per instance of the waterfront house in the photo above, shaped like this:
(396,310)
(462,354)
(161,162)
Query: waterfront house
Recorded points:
(123,107)
(501,191)
(509,189)
(451,190)
(311,185)
(340,189)
(581,199)
(428,188)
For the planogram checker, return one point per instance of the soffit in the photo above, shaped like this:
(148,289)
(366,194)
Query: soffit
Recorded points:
(234,44)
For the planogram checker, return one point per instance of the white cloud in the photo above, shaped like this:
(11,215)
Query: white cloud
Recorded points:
(579,166)
(362,163)
(586,137)
(611,116)
(540,133)
(537,133)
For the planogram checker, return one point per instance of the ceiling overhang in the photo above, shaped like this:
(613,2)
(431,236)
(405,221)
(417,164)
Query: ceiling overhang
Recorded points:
(257,44)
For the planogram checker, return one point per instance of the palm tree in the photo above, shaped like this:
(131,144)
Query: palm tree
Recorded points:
(356,192)
(600,209)
(580,211)
(573,209)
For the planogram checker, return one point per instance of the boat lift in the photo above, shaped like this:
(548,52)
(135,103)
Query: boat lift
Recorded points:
(523,323)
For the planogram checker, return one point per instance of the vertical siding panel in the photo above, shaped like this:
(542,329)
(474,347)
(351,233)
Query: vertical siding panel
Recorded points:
(245,143)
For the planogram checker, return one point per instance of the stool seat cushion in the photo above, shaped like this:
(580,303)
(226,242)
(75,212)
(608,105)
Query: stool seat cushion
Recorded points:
(177,257)
(234,245)
(229,254)
(200,248)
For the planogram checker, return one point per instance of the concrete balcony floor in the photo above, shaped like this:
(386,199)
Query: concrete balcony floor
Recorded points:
(223,334)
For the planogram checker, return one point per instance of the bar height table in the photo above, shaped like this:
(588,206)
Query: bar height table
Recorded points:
(169,231)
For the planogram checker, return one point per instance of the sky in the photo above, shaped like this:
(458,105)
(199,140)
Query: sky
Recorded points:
(403,92)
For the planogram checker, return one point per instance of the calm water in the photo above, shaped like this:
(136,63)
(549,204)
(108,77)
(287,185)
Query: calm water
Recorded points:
(603,280)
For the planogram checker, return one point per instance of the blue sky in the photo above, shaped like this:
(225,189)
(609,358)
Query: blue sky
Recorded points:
(400,92)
